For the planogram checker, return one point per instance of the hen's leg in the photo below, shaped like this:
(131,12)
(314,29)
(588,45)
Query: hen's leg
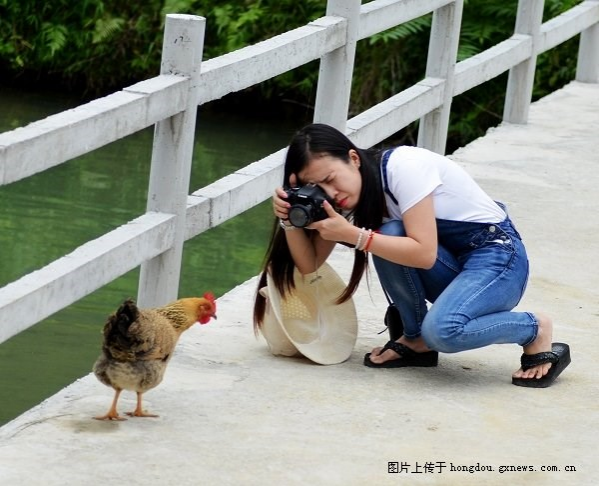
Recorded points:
(138,412)
(112,413)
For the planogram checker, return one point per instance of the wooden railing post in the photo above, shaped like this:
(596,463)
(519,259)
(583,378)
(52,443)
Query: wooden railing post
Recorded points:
(171,157)
(587,67)
(336,69)
(521,77)
(441,61)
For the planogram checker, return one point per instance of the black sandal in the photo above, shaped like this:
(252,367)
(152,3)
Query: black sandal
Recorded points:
(559,357)
(407,357)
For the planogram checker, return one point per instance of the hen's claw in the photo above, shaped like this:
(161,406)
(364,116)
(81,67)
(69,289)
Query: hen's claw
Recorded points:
(110,416)
(141,414)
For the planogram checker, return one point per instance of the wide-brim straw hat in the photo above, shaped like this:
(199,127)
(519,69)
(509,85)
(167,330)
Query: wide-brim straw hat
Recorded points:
(308,321)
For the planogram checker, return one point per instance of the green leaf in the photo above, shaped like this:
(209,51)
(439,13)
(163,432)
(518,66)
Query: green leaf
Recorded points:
(106,28)
(54,38)
(402,31)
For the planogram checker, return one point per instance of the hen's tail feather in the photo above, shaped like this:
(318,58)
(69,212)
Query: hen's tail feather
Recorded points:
(126,315)
(116,330)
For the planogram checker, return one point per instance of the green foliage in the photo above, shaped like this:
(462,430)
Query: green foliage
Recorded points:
(106,28)
(403,31)
(54,37)
(389,62)
(235,26)
(91,44)
(103,45)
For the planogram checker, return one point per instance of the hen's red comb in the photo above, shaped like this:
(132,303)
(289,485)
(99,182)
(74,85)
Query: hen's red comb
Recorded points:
(210,296)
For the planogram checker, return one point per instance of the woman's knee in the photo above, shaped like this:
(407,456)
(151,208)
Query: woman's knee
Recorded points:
(440,336)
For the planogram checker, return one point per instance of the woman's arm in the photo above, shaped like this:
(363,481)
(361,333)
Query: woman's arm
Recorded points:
(309,252)
(418,249)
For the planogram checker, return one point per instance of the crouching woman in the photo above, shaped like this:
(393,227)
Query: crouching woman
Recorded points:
(435,237)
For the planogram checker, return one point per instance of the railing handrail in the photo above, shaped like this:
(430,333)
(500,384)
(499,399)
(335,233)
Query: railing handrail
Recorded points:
(19,148)
(167,96)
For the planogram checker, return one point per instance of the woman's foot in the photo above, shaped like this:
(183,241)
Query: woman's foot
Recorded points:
(417,345)
(541,344)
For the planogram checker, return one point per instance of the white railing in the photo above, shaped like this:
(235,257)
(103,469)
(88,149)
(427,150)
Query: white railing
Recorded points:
(169,101)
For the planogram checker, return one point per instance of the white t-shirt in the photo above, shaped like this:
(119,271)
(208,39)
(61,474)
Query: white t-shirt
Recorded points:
(413,173)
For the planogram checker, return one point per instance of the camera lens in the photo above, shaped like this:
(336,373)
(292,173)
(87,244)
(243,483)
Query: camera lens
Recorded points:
(299,216)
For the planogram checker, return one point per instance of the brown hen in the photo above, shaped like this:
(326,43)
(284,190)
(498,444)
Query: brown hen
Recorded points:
(139,343)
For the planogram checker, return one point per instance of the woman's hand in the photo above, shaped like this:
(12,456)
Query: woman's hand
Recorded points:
(279,200)
(335,227)
(279,203)
(308,250)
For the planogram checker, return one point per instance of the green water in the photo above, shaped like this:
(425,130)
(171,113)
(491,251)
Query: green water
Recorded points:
(50,214)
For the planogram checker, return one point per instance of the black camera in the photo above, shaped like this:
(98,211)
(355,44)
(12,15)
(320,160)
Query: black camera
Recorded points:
(306,205)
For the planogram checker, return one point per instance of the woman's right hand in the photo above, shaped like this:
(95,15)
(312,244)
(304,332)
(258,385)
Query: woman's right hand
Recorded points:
(279,200)
(280,204)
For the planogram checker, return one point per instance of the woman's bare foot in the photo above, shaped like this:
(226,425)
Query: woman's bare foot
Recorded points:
(541,344)
(418,345)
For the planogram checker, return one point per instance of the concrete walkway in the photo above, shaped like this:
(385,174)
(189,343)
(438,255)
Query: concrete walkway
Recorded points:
(231,414)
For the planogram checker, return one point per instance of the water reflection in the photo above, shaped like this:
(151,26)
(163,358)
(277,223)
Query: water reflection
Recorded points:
(52,213)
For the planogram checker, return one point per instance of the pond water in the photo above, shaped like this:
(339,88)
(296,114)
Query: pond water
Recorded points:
(50,214)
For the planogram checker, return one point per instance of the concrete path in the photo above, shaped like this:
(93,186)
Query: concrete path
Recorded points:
(232,414)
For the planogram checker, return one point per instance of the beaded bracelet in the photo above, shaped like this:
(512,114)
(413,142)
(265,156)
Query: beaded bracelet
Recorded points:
(286,227)
(360,236)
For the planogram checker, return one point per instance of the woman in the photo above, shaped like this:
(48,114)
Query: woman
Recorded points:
(434,235)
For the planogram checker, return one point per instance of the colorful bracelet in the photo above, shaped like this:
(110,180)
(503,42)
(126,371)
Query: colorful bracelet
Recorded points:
(368,240)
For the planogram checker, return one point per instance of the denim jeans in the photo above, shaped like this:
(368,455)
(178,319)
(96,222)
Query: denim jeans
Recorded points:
(479,276)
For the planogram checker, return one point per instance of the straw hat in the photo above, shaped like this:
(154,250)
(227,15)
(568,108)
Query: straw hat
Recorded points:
(308,322)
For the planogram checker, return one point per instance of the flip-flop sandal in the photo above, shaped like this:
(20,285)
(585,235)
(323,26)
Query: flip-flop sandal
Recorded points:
(407,357)
(559,357)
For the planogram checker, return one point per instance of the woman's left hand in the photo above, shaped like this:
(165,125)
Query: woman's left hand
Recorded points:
(335,227)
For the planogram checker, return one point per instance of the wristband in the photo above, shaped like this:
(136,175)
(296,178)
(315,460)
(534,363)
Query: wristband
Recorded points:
(286,227)
(368,241)
(359,242)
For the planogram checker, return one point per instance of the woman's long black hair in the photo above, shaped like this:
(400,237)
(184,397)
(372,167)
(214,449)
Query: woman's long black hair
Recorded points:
(310,142)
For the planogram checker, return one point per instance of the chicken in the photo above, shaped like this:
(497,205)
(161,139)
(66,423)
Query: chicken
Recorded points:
(139,343)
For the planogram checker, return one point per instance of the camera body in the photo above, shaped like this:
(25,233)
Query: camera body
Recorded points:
(306,205)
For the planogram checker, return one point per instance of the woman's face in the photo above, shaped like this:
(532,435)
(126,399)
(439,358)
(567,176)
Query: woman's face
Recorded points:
(341,180)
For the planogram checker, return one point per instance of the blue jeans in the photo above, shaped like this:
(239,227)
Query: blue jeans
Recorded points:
(479,277)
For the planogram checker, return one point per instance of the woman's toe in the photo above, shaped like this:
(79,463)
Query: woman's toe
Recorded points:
(536,372)
(387,355)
